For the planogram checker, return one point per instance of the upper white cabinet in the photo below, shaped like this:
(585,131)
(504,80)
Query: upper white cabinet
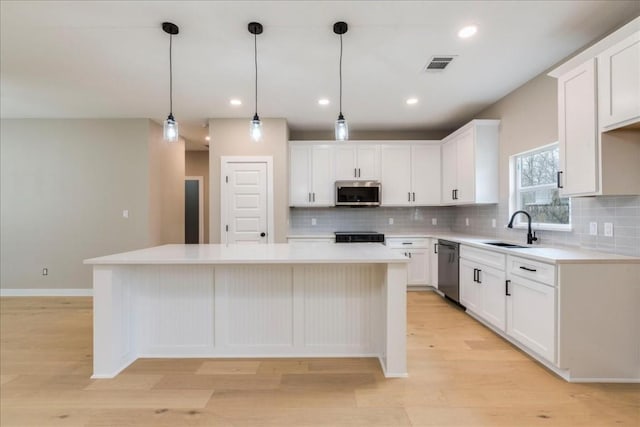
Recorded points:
(577,131)
(470,164)
(619,84)
(311,178)
(410,174)
(598,112)
(357,162)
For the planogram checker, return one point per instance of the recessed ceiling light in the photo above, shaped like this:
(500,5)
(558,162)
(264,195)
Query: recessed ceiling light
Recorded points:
(467,31)
(235,102)
(412,101)
(207,138)
(323,101)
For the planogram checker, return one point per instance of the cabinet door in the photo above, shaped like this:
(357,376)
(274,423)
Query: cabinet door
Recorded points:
(322,178)
(493,300)
(396,175)
(299,175)
(345,162)
(425,174)
(577,130)
(368,162)
(418,269)
(449,170)
(531,316)
(619,83)
(469,289)
(466,167)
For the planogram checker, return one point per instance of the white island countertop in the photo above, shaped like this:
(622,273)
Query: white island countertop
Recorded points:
(275,253)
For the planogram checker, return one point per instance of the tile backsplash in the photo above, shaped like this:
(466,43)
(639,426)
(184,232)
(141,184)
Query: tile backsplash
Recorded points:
(405,220)
(622,211)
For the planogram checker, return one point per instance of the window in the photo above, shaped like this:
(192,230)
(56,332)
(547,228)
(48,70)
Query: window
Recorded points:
(535,190)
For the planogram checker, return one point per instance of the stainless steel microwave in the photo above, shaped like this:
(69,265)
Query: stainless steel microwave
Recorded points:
(358,193)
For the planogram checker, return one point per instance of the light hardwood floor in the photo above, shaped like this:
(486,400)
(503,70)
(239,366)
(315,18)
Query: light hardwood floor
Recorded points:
(461,374)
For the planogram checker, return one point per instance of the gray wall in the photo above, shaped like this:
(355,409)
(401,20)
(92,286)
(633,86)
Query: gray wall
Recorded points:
(64,185)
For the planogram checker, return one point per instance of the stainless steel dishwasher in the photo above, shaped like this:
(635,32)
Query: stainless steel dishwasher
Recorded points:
(448,269)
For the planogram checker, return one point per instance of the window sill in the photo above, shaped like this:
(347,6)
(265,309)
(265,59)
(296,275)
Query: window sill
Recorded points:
(544,227)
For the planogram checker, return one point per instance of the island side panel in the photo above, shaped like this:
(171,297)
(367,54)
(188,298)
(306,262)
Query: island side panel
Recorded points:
(395,295)
(113,346)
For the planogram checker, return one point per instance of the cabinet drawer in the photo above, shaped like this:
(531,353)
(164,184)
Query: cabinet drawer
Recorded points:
(532,270)
(407,243)
(490,258)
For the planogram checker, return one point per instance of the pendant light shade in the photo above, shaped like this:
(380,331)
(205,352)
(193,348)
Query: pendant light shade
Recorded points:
(342,127)
(255,127)
(170,129)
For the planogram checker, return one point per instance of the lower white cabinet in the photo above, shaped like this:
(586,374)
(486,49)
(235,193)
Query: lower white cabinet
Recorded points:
(482,291)
(531,315)
(417,250)
(433,262)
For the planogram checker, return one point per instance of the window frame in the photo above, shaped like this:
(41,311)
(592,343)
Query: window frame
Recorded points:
(514,192)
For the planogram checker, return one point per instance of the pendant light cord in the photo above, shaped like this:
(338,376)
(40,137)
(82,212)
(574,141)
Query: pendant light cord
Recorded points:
(255,58)
(340,74)
(170,77)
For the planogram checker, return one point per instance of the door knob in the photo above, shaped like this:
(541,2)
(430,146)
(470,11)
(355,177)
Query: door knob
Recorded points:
(263,234)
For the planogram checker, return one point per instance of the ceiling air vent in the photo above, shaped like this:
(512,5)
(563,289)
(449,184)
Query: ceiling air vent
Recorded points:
(439,63)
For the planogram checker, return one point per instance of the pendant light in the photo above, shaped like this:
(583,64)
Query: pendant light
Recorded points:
(255,128)
(170,128)
(342,128)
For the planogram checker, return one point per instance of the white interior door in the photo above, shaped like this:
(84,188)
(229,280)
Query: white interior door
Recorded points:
(245,187)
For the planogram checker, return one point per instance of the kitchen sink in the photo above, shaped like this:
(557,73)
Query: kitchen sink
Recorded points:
(506,245)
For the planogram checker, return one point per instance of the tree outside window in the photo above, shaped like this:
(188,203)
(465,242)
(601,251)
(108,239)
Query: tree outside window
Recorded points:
(536,189)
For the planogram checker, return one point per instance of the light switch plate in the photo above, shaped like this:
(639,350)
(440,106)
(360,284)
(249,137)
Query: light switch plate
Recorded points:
(434,221)
(608,229)
(593,228)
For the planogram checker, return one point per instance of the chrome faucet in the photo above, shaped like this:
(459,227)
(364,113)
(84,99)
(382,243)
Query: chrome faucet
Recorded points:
(531,236)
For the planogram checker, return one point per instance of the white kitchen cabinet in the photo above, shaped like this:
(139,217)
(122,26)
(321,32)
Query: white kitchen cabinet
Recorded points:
(577,131)
(296,239)
(482,285)
(417,250)
(619,84)
(433,257)
(311,178)
(470,164)
(357,162)
(410,174)
(531,315)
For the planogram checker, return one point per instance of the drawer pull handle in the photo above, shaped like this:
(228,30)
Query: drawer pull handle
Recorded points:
(435,248)
(479,281)
(506,287)
(407,243)
(528,269)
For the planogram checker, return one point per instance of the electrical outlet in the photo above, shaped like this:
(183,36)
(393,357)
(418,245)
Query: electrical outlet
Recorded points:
(313,221)
(390,221)
(493,222)
(466,222)
(593,228)
(45,271)
(608,229)
(125,213)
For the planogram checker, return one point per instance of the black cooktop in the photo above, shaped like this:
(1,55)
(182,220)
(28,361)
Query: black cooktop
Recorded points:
(359,237)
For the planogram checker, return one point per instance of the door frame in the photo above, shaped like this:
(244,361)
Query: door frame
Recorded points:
(200,180)
(224,161)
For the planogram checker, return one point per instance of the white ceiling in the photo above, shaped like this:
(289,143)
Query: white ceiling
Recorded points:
(64,59)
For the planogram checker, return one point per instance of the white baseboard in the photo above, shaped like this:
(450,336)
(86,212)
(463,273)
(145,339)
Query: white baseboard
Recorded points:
(46,292)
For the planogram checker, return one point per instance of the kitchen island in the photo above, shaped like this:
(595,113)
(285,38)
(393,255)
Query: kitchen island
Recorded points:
(274,300)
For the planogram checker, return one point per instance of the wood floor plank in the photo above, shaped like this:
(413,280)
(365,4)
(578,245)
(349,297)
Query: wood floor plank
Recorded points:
(460,374)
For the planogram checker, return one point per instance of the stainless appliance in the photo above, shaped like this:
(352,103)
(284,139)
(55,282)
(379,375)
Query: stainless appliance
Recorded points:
(448,269)
(359,237)
(358,193)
